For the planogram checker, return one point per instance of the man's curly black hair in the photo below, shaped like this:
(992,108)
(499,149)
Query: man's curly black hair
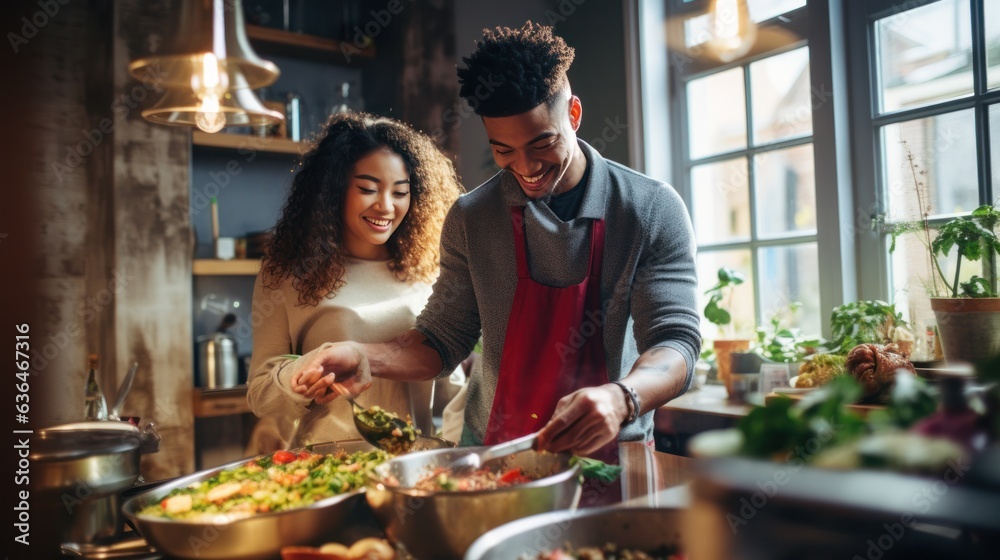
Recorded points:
(512,71)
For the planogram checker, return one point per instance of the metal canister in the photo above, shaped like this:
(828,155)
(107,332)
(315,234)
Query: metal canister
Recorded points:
(218,364)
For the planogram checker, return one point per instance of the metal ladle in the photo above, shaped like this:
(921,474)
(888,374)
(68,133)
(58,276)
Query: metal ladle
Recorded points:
(375,436)
(122,392)
(370,433)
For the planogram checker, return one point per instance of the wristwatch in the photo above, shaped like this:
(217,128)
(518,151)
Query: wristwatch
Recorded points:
(634,402)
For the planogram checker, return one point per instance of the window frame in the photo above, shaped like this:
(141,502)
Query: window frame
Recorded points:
(829,138)
(876,281)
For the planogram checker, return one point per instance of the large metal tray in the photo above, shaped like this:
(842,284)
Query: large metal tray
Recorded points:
(258,537)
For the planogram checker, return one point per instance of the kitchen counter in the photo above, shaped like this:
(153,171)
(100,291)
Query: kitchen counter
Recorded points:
(649,478)
(706,408)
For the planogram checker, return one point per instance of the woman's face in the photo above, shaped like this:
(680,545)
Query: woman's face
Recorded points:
(377,199)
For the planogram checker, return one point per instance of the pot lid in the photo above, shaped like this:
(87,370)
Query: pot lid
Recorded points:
(84,439)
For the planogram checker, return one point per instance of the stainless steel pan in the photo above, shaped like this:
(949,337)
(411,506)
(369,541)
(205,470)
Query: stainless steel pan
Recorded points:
(646,529)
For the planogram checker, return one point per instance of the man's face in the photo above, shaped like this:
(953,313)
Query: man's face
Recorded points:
(539,147)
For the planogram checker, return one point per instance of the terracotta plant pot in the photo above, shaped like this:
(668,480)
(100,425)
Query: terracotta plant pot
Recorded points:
(723,349)
(969,327)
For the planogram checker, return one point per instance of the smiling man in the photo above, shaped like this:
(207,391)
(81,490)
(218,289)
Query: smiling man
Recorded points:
(578,273)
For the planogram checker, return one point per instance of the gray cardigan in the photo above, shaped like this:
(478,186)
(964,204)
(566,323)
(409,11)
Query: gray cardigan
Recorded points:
(648,282)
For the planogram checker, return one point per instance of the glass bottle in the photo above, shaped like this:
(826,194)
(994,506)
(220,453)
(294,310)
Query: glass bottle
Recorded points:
(95,407)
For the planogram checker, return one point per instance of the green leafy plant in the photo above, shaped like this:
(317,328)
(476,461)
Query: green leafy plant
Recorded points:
(861,322)
(784,344)
(723,290)
(975,237)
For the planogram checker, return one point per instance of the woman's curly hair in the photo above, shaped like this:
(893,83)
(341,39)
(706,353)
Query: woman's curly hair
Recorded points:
(512,71)
(308,240)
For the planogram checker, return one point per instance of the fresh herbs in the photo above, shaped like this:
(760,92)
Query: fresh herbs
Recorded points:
(861,322)
(784,344)
(785,429)
(592,468)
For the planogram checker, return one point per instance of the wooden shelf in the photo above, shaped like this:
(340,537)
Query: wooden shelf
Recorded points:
(248,143)
(278,41)
(218,267)
(220,402)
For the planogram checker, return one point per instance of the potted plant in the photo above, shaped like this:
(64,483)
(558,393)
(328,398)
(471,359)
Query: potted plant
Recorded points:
(967,313)
(968,316)
(720,296)
(782,349)
(867,321)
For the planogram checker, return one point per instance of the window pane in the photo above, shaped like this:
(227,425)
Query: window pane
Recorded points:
(717,118)
(995,146)
(785,191)
(912,281)
(993,43)
(944,154)
(739,304)
(790,274)
(721,201)
(925,55)
(762,10)
(782,106)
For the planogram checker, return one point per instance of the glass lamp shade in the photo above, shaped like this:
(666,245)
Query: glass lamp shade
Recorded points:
(209,48)
(239,107)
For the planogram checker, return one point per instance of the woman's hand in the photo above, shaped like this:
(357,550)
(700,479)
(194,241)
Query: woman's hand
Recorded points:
(332,370)
(585,420)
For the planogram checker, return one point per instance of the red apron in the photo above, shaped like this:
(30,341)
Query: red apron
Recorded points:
(554,345)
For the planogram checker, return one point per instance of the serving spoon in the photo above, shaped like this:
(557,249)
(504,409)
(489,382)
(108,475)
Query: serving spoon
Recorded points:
(372,434)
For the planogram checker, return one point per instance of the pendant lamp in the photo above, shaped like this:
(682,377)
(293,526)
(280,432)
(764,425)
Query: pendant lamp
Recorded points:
(733,30)
(208,71)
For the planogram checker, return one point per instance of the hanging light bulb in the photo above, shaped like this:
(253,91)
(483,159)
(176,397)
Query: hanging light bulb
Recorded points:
(209,70)
(733,31)
(236,107)
(208,84)
(209,118)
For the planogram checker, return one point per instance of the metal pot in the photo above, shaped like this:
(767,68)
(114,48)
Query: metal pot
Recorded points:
(77,471)
(442,525)
(646,529)
(218,364)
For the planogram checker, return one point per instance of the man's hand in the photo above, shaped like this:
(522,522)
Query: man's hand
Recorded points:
(585,420)
(331,371)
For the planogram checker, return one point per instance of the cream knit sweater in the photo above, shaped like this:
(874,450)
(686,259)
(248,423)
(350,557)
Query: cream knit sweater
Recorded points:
(371,307)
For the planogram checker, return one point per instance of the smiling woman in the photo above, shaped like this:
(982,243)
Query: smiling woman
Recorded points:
(376,202)
(352,258)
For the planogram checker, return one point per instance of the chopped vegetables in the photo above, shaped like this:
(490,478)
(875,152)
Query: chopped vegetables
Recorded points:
(442,478)
(276,482)
(400,439)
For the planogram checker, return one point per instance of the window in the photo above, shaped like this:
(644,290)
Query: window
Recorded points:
(744,160)
(932,129)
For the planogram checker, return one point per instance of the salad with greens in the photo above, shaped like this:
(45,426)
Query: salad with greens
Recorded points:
(281,481)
